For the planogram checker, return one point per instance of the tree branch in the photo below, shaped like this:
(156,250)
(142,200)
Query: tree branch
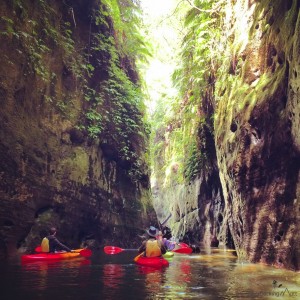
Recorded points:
(202,10)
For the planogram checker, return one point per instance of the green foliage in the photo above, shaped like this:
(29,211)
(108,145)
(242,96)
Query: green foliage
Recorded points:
(185,124)
(35,41)
(126,105)
(113,107)
(95,123)
(9,24)
(196,161)
(200,49)
(116,105)
(127,19)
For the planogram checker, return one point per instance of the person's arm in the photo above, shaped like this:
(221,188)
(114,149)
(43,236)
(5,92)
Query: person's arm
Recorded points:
(61,245)
(162,248)
(142,247)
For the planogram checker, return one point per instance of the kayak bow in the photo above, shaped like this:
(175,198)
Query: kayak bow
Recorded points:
(168,254)
(182,248)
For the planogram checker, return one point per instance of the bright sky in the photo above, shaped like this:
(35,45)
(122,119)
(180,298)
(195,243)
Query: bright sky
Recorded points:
(163,35)
(157,8)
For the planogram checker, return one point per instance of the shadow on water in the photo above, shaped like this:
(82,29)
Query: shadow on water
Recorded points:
(216,274)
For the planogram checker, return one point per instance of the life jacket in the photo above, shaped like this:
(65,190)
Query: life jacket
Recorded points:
(45,245)
(153,248)
(169,244)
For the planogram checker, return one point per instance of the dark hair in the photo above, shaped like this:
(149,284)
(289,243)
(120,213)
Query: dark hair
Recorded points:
(52,230)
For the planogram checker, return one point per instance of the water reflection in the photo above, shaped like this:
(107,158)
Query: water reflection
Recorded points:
(213,275)
(257,281)
(185,271)
(217,274)
(46,265)
(48,273)
(112,275)
(154,278)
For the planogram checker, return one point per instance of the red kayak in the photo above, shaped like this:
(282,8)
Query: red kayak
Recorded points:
(49,256)
(182,248)
(56,256)
(151,261)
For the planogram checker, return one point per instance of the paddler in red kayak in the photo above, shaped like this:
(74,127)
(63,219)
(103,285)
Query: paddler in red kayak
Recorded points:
(152,247)
(51,244)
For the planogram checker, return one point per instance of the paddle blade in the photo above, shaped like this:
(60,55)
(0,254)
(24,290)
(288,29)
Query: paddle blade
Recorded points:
(112,250)
(38,249)
(86,252)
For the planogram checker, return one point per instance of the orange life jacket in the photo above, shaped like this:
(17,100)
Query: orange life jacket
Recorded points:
(153,248)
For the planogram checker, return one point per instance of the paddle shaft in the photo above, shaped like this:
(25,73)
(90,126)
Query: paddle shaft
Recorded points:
(130,249)
(166,220)
(116,250)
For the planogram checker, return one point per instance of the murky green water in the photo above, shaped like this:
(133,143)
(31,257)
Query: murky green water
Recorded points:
(215,275)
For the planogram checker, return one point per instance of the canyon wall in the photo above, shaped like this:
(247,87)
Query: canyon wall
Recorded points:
(247,195)
(72,153)
(196,206)
(257,131)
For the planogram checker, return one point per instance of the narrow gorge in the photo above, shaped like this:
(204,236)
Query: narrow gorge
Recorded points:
(80,150)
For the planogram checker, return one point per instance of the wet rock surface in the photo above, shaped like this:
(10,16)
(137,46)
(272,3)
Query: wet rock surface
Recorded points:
(249,200)
(257,146)
(52,173)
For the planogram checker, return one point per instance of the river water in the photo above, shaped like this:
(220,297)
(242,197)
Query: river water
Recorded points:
(214,274)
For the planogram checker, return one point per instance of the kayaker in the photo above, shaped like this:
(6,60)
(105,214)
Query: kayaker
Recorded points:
(159,236)
(166,231)
(152,247)
(51,244)
(167,244)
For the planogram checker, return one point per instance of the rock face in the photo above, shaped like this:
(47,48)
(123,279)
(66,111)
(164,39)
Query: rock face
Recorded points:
(257,133)
(252,202)
(197,208)
(54,170)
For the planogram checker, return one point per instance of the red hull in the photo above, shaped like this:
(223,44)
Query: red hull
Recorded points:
(183,248)
(152,261)
(49,256)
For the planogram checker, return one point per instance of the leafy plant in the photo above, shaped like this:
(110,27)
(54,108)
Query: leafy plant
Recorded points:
(185,124)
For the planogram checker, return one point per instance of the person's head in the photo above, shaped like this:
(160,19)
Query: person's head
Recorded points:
(52,231)
(159,235)
(152,231)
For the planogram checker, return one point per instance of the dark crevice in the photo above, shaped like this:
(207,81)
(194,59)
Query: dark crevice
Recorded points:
(42,210)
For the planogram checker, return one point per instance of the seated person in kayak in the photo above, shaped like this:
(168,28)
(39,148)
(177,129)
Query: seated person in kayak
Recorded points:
(170,245)
(152,247)
(51,244)
(159,236)
(167,244)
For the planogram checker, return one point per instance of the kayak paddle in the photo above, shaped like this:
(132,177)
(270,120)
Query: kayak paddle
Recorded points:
(115,250)
(166,220)
(83,252)
(138,256)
